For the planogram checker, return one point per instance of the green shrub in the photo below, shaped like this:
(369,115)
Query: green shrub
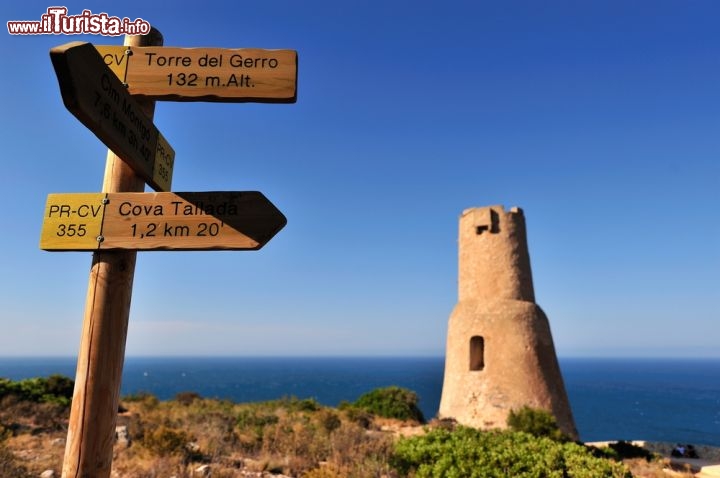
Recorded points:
(54,389)
(623,450)
(254,419)
(539,423)
(6,386)
(295,404)
(60,386)
(391,402)
(470,453)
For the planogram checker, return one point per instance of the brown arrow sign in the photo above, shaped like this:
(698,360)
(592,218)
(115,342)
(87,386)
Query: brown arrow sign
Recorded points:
(92,92)
(218,220)
(205,74)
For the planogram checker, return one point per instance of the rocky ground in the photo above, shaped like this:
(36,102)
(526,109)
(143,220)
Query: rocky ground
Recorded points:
(706,465)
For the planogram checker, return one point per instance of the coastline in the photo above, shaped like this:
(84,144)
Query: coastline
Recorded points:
(659,400)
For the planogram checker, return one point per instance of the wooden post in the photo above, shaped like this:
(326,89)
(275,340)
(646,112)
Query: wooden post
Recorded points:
(91,431)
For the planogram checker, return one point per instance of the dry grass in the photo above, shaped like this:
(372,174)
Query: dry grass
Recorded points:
(659,468)
(32,437)
(290,437)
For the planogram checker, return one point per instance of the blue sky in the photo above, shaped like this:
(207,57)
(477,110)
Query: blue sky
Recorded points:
(600,119)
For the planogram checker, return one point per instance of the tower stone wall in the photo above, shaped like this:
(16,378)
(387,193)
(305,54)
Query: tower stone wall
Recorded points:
(500,354)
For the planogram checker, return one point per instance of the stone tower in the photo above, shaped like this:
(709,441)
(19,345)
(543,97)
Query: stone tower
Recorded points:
(500,354)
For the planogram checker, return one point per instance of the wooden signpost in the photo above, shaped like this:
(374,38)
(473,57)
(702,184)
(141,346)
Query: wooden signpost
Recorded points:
(111,90)
(102,103)
(159,221)
(205,74)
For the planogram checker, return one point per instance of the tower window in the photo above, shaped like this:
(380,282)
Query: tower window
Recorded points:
(477,353)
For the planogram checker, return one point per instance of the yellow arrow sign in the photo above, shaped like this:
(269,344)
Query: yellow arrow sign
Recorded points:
(159,221)
(205,74)
(102,103)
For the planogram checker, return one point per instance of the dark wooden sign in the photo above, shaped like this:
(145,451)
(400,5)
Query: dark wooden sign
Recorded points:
(92,92)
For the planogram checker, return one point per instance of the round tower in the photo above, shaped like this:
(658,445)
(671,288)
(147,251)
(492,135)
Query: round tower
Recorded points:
(494,259)
(500,354)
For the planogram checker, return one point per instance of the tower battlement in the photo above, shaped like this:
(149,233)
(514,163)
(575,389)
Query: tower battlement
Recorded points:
(494,262)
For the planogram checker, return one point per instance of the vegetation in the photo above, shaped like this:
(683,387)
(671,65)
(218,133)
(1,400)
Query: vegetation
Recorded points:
(290,435)
(469,453)
(296,437)
(54,389)
(9,465)
(622,450)
(539,423)
(391,402)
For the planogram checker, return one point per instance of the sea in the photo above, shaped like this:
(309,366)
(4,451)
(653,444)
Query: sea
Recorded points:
(667,400)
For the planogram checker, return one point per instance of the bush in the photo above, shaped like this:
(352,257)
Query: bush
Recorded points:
(329,420)
(60,386)
(187,398)
(294,404)
(54,389)
(250,424)
(164,441)
(470,453)
(147,400)
(140,396)
(358,454)
(254,419)
(356,415)
(539,423)
(623,450)
(391,402)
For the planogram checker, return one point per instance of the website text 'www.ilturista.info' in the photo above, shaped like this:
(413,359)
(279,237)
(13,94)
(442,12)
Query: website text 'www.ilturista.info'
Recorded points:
(57,22)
